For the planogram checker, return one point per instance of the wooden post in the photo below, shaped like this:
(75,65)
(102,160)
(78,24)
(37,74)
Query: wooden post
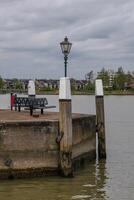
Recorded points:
(100,119)
(31,111)
(15,96)
(65,125)
(41,111)
(12,100)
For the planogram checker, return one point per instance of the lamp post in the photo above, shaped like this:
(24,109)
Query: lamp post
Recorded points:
(65,47)
(65,117)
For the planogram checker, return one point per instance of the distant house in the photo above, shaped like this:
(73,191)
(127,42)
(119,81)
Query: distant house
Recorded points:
(45,83)
(78,84)
(130,86)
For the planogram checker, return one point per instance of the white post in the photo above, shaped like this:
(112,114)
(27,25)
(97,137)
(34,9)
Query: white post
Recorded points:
(65,122)
(100,118)
(31,88)
(31,93)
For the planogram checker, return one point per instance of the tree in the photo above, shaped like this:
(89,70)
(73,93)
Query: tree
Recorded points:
(129,78)
(17,84)
(1,83)
(90,76)
(120,79)
(104,75)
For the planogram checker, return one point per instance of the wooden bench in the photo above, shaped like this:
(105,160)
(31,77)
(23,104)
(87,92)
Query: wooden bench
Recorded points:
(31,103)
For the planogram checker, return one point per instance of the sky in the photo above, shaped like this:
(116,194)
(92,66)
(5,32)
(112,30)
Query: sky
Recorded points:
(101,32)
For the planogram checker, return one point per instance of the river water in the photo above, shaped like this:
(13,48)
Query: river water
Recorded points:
(112,179)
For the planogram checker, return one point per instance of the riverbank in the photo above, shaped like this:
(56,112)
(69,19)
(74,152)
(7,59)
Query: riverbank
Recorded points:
(88,93)
(81,92)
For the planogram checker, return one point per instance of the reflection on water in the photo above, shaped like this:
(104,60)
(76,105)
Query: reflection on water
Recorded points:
(88,183)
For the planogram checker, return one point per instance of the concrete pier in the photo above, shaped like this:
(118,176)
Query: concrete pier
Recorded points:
(28,146)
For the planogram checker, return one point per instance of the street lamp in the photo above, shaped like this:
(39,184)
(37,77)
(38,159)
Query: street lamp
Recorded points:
(65,47)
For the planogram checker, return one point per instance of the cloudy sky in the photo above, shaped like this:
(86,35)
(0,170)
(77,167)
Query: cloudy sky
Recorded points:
(102,33)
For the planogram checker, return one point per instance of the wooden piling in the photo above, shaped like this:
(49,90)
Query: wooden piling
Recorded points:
(65,125)
(11,100)
(15,96)
(100,119)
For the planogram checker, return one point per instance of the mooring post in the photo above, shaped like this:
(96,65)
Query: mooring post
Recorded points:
(31,94)
(31,89)
(11,100)
(65,125)
(15,96)
(100,118)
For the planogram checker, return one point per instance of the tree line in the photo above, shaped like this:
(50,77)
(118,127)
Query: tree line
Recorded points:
(112,80)
(15,82)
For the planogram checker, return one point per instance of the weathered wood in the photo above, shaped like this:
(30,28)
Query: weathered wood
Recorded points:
(100,119)
(41,111)
(11,100)
(65,122)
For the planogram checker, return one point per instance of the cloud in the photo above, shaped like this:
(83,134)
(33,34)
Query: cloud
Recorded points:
(30,32)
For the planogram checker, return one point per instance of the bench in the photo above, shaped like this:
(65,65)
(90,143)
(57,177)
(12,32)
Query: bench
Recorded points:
(31,103)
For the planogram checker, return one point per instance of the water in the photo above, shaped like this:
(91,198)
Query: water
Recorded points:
(113,179)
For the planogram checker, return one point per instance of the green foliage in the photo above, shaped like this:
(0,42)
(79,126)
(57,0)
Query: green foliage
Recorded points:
(17,84)
(104,75)
(114,82)
(129,77)
(1,83)
(90,86)
(120,79)
(90,76)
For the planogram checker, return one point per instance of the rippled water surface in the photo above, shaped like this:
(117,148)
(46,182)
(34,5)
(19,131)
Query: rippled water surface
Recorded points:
(111,179)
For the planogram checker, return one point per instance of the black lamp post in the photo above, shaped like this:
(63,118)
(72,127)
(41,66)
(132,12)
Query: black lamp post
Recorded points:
(65,47)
